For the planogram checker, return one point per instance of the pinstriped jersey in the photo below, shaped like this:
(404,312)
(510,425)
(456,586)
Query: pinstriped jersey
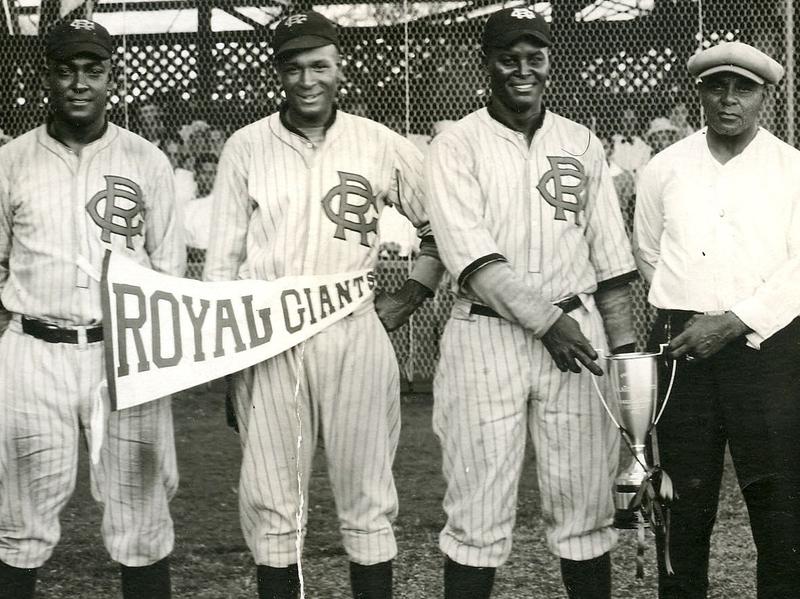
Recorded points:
(57,207)
(286,206)
(549,209)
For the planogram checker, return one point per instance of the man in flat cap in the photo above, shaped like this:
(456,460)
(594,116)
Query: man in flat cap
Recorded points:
(61,186)
(717,236)
(299,192)
(525,212)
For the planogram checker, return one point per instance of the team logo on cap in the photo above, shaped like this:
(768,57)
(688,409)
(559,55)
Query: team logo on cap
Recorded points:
(568,179)
(122,203)
(523,13)
(295,20)
(82,24)
(351,186)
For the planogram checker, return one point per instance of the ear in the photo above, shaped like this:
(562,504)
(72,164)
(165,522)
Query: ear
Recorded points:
(45,71)
(112,79)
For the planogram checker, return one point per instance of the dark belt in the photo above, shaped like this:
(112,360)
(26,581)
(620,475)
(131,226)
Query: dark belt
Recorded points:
(54,334)
(567,305)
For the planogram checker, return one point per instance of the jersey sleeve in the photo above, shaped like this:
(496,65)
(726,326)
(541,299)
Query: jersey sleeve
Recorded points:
(455,205)
(610,249)
(406,192)
(408,196)
(468,250)
(230,214)
(164,238)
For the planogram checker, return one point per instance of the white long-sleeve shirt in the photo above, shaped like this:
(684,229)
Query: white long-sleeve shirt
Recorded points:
(723,236)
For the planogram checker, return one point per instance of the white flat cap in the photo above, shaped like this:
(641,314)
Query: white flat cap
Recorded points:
(735,57)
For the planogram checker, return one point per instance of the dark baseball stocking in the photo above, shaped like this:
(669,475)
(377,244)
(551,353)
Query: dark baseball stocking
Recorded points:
(16,583)
(588,579)
(371,582)
(467,582)
(278,583)
(146,582)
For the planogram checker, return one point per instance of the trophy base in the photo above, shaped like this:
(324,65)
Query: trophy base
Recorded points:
(630,519)
(626,518)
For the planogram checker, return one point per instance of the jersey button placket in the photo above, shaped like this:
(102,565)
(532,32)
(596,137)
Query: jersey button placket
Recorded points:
(80,185)
(534,205)
(313,185)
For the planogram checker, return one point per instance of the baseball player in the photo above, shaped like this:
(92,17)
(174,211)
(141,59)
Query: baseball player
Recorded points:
(717,230)
(299,193)
(528,224)
(70,190)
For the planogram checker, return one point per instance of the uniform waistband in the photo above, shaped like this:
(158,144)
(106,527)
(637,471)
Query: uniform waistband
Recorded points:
(567,305)
(52,333)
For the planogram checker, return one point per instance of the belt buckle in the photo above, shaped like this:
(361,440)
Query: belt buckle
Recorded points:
(56,331)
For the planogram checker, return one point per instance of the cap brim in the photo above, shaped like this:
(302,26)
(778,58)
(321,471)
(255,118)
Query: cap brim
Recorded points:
(304,42)
(73,49)
(507,38)
(730,68)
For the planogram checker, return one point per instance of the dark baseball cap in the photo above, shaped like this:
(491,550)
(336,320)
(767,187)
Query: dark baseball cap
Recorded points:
(507,25)
(304,31)
(78,36)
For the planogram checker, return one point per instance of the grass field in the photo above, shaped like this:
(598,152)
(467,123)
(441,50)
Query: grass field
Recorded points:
(211,560)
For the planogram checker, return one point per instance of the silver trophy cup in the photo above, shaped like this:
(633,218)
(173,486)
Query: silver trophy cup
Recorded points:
(634,380)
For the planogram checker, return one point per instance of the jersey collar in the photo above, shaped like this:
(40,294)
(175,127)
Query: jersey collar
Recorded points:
(536,125)
(283,109)
(46,139)
(49,124)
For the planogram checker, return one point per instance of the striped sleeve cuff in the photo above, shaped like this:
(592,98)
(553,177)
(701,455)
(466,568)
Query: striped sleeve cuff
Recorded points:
(470,269)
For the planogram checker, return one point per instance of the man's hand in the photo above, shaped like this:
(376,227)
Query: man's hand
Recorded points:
(394,308)
(706,334)
(566,343)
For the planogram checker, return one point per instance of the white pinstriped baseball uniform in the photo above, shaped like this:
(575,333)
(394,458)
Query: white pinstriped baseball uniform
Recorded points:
(551,212)
(284,206)
(53,210)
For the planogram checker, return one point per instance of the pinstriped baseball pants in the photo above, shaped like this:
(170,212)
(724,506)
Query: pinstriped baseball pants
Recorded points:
(349,397)
(494,382)
(45,399)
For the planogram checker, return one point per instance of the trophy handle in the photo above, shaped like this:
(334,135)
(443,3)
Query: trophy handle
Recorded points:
(603,400)
(669,389)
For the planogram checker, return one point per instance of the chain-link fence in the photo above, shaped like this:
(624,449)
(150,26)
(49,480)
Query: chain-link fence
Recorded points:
(190,72)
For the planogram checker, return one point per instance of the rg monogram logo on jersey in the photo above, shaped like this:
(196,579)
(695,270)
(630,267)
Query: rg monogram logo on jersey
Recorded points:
(351,186)
(295,20)
(82,24)
(523,13)
(122,203)
(568,178)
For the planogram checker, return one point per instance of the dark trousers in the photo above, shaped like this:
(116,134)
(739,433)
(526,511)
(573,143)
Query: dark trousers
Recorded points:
(749,399)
